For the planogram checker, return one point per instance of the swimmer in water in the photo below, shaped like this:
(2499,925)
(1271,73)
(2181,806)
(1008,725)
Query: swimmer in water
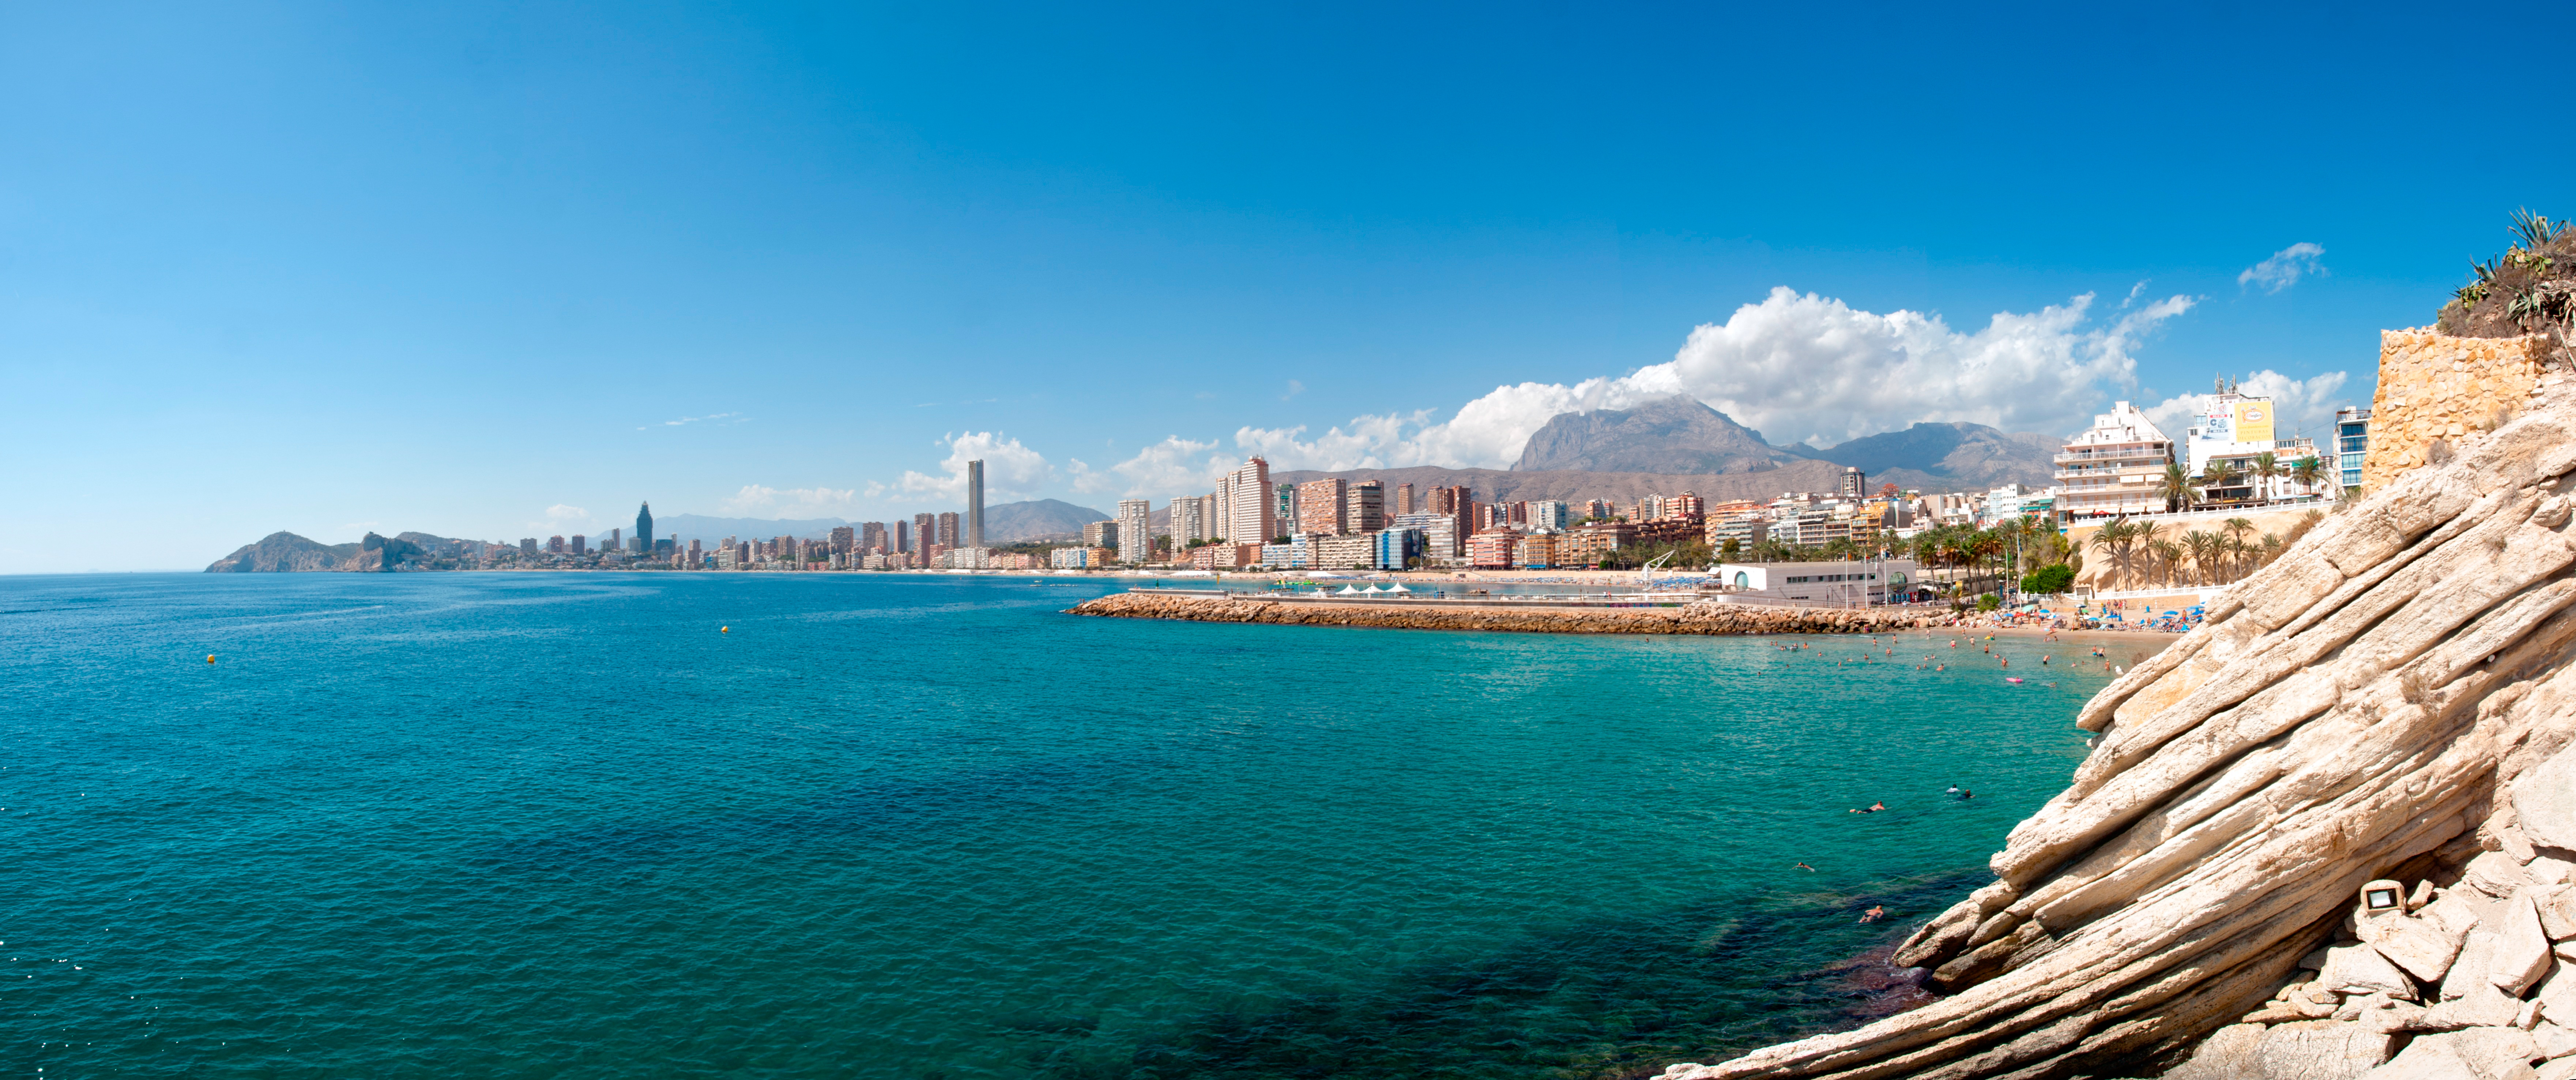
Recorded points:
(1874,913)
(1805,867)
(1873,808)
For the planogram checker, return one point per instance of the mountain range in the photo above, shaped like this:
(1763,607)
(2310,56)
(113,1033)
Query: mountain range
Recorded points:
(1677,444)
(1679,435)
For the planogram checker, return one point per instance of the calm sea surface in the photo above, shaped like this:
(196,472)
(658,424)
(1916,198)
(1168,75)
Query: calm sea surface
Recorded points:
(542,825)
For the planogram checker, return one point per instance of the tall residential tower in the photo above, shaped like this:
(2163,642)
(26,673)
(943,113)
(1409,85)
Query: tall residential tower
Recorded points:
(975,503)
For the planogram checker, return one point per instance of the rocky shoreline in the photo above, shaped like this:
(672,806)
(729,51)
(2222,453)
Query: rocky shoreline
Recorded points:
(1695,618)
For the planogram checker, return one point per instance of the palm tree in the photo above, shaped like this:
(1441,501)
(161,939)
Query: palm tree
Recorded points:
(2168,558)
(2220,474)
(2175,486)
(2306,471)
(2267,467)
(2237,529)
(2113,539)
(2204,553)
(2269,551)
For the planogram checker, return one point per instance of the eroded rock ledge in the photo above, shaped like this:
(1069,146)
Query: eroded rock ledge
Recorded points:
(2392,700)
(1696,618)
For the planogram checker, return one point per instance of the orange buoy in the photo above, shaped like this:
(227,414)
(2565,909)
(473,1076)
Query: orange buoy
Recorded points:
(724,629)
(210,658)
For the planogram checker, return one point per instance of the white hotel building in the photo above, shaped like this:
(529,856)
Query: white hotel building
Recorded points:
(2114,467)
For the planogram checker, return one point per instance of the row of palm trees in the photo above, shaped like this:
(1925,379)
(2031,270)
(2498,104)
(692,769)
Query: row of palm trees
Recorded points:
(2182,491)
(2146,554)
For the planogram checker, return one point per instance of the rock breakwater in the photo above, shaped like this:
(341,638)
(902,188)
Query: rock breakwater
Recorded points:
(1695,618)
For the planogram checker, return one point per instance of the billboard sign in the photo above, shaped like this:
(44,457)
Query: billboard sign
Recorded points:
(2254,421)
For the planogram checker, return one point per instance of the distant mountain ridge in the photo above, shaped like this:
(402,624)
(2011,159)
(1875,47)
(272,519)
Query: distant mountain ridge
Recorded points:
(1680,435)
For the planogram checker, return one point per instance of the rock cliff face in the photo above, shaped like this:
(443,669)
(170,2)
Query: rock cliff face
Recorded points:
(282,552)
(379,555)
(2390,702)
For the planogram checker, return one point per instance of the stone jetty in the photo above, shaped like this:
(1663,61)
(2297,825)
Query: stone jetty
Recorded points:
(2331,833)
(1702,617)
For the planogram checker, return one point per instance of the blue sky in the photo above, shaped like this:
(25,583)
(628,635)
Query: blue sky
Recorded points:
(482,271)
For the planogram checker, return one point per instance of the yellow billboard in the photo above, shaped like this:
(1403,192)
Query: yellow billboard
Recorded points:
(2254,421)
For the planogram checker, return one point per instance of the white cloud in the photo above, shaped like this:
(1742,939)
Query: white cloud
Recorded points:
(1796,367)
(2284,268)
(1174,466)
(560,516)
(1009,468)
(755,500)
(2297,404)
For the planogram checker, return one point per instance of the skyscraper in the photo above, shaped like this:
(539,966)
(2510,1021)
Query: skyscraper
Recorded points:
(1403,499)
(1322,508)
(1250,516)
(948,529)
(644,528)
(975,503)
(925,532)
(1186,522)
(1135,534)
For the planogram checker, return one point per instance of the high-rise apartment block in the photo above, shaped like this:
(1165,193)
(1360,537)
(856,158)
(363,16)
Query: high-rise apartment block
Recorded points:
(1135,531)
(2117,466)
(844,540)
(925,532)
(644,527)
(975,504)
(2352,440)
(1854,485)
(1250,516)
(1284,510)
(872,537)
(1187,523)
(1364,507)
(948,529)
(1323,507)
(1403,499)
(1100,534)
(528,546)
(580,544)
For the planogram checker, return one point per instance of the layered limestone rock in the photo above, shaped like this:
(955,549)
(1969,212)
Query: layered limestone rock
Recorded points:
(2436,388)
(2391,701)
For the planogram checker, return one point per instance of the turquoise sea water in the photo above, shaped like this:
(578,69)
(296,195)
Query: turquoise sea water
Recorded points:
(559,825)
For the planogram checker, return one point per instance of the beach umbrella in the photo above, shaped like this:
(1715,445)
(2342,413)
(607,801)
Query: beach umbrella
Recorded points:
(1398,588)
(1347,591)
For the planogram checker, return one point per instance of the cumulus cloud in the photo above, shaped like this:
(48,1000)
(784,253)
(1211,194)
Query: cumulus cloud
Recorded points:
(2297,404)
(2284,268)
(1009,468)
(1800,368)
(755,500)
(1174,466)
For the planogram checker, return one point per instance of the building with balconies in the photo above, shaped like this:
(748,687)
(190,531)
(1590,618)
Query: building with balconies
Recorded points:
(2114,467)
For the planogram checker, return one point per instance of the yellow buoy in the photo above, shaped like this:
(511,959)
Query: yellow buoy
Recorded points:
(724,629)
(210,658)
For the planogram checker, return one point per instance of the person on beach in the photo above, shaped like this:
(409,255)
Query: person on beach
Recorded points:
(1875,912)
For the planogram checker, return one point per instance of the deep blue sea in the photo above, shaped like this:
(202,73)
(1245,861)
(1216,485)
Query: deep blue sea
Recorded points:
(877,826)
